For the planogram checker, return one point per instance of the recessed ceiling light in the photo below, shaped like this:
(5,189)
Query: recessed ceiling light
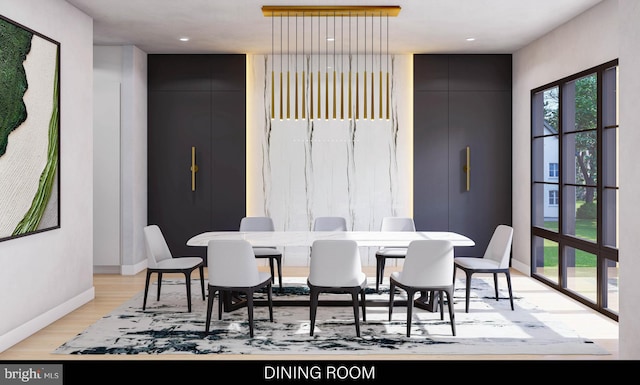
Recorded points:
(184,39)
(471,38)
(330,39)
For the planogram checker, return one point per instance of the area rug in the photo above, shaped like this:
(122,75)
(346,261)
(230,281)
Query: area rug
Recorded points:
(165,327)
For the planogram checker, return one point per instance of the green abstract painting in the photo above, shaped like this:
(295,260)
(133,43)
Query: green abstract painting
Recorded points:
(29,131)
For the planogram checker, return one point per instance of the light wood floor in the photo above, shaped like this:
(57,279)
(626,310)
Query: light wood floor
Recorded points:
(113,290)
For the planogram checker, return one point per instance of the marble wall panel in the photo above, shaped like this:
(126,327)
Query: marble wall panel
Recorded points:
(299,169)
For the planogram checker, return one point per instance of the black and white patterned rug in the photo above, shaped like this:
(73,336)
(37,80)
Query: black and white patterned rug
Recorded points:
(490,327)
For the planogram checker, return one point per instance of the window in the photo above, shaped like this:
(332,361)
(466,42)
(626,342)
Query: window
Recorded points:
(553,198)
(553,170)
(574,205)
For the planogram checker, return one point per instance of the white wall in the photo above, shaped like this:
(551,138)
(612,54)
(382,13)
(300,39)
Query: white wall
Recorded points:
(629,337)
(45,276)
(584,42)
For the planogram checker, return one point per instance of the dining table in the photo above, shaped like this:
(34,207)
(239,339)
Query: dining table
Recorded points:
(306,238)
(426,301)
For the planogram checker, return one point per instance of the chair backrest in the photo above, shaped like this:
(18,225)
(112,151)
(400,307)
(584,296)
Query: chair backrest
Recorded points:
(256,224)
(330,224)
(499,248)
(397,224)
(156,245)
(231,263)
(335,263)
(429,262)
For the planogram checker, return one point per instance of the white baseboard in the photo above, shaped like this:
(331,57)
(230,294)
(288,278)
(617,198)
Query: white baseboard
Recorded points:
(133,269)
(38,323)
(521,267)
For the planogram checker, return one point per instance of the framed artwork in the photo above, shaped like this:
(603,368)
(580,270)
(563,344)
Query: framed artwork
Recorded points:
(29,131)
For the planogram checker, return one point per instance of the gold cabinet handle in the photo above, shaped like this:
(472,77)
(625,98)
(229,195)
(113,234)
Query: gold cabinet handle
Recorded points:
(467,168)
(194,169)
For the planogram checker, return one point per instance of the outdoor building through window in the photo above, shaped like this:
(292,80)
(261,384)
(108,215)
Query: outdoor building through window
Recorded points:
(553,170)
(574,201)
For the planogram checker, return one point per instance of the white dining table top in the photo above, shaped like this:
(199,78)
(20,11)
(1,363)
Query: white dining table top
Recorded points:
(306,238)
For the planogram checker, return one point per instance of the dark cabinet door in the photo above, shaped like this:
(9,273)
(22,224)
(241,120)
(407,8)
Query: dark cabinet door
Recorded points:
(480,120)
(431,161)
(178,121)
(228,160)
(462,101)
(196,102)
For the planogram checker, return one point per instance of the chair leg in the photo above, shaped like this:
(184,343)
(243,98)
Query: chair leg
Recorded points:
(187,278)
(221,295)
(279,262)
(356,316)
(379,271)
(409,311)
(392,291)
(313,308)
(212,294)
(250,310)
(273,277)
(363,304)
(270,302)
(495,284)
(451,311)
(159,285)
(202,280)
(467,290)
(440,299)
(509,285)
(146,289)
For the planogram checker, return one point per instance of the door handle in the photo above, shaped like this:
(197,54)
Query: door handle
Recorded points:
(194,169)
(467,168)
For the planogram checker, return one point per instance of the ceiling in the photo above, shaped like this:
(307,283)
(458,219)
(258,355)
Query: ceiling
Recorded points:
(238,26)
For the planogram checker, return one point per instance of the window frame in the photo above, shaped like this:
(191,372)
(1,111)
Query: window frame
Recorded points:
(606,255)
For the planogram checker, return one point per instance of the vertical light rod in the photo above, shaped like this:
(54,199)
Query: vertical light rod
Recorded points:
(372,73)
(288,73)
(273,97)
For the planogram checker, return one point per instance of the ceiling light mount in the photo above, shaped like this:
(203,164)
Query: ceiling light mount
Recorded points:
(320,10)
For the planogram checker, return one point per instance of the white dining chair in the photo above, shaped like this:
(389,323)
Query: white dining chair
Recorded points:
(336,268)
(391,224)
(428,266)
(495,260)
(330,224)
(232,268)
(160,261)
(271,253)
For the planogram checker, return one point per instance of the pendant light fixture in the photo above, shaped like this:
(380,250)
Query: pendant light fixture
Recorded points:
(334,57)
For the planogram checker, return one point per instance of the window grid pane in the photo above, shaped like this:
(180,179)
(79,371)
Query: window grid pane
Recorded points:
(581,272)
(546,258)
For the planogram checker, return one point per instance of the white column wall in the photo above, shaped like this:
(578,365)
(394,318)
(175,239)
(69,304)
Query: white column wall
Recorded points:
(120,154)
(133,159)
(629,215)
(107,118)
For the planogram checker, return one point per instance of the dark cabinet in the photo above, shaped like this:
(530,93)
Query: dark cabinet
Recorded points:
(462,101)
(196,109)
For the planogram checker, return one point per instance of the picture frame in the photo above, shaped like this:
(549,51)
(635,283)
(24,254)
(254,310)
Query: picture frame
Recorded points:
(29,131)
